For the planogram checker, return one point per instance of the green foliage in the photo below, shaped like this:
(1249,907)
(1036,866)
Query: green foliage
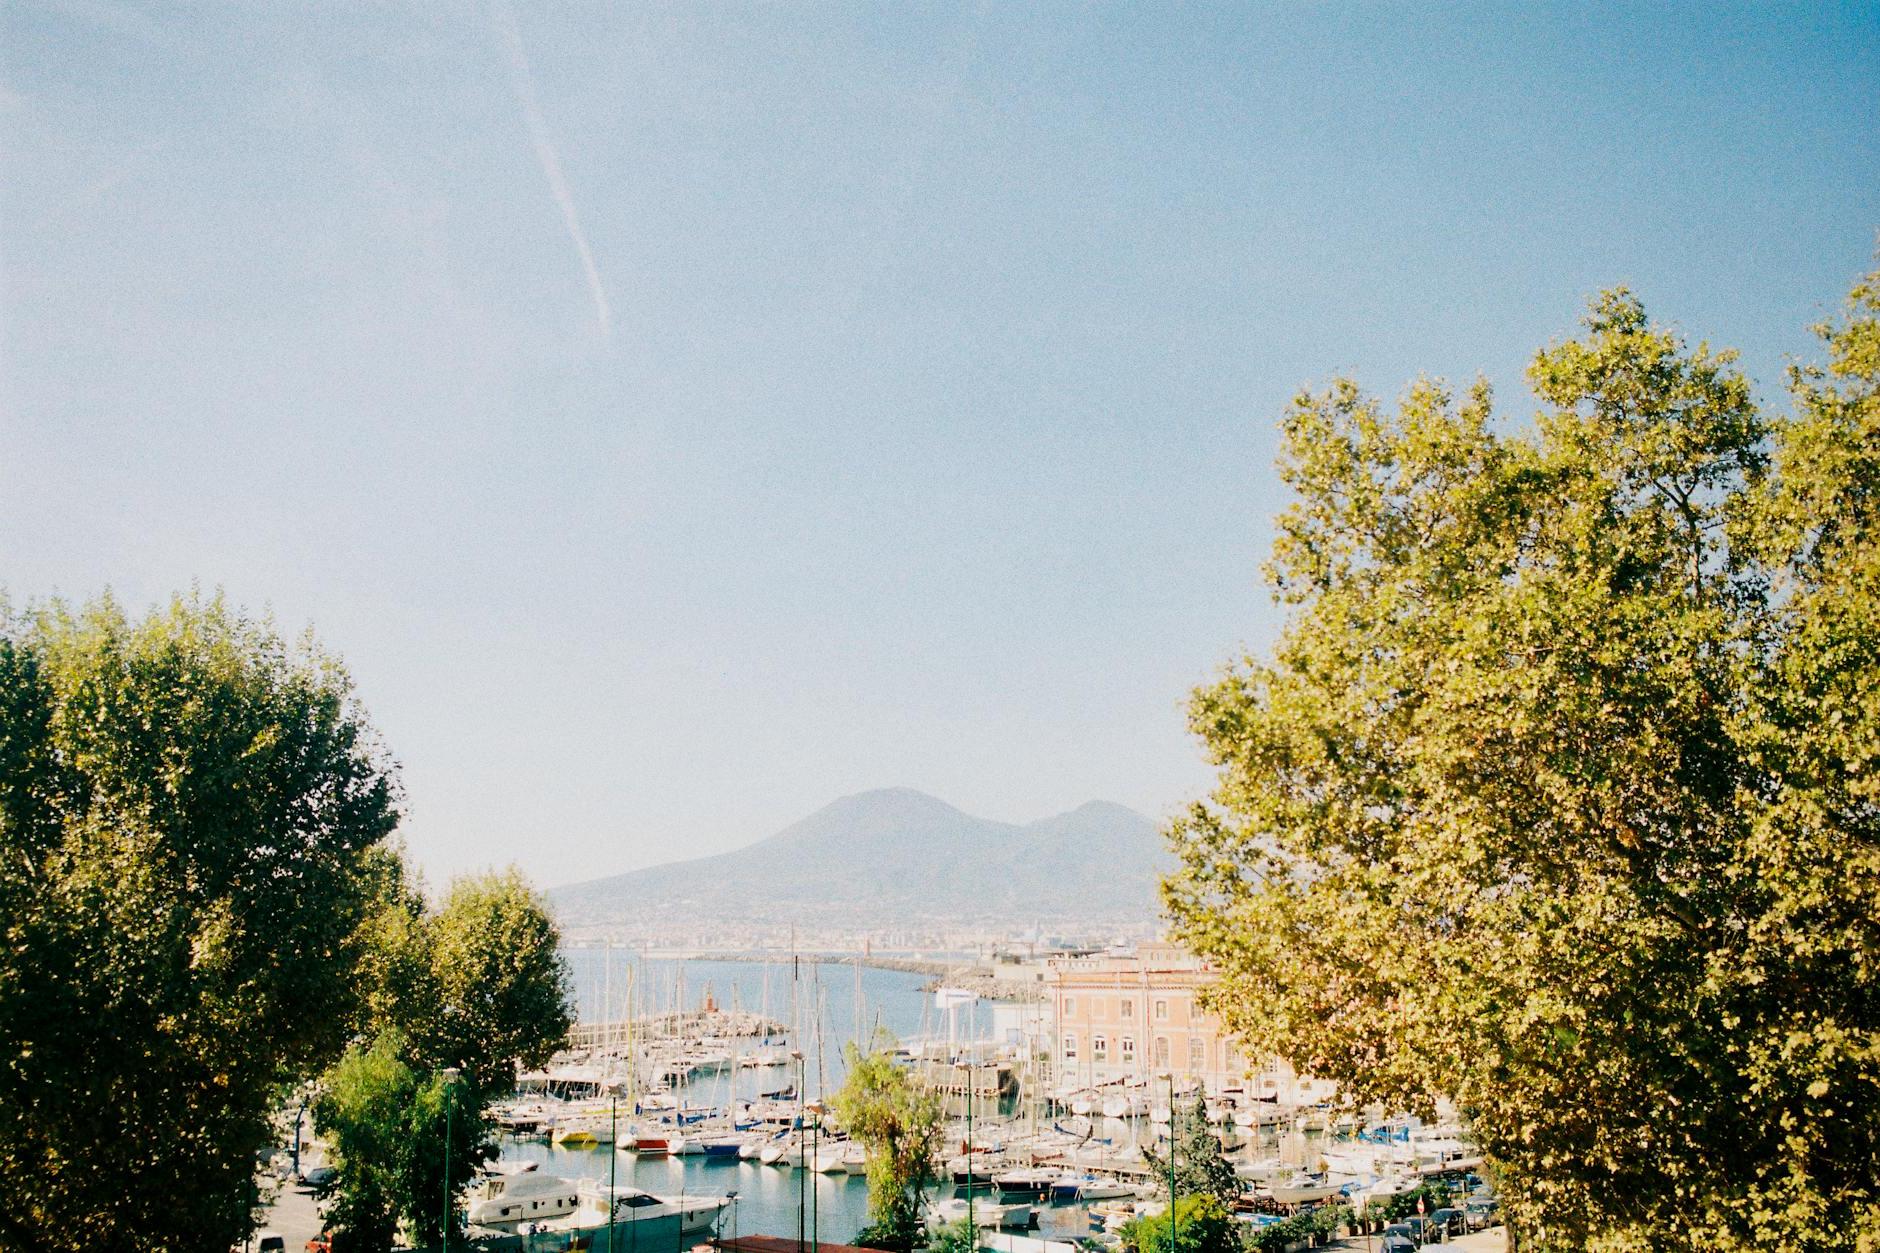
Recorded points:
(1557,794)
(898,1122)
(388,1124)
(188,807)
(478,985)
(502,990)
(958,1236)
(365,1112)
(1432,1196)
(1202,1225)
(1200,1165)
(1275,1236)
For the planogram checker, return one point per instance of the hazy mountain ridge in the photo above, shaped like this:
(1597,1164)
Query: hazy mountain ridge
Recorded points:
(896,854)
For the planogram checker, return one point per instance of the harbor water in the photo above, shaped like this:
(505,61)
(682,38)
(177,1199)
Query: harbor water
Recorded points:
(829,1001)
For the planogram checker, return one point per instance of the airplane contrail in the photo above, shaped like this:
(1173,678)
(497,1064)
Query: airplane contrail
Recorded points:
(524,82)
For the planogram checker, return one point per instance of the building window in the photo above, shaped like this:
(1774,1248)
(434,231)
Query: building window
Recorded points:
(1197,1053)
(1129,1009)
(1070,1047)
(1070,1006)
(1161,1052)
(1129,1048)
(1161,1011)
(1100,1048)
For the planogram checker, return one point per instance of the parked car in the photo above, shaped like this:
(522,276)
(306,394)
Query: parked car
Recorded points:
(270,1242)
(322,1243)
(1400,1231)
(1481,1213)
(1447,1221)
(317,1177)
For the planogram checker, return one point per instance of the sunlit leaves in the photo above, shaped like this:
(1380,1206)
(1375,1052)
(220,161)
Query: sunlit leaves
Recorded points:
(1557,796)
(187,803)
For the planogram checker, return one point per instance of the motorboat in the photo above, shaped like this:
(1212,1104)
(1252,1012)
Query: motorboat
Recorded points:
(1030,1182)
(1071,1186)
(1300,1189)
(672,1218)
(505,1199)
(985,1212)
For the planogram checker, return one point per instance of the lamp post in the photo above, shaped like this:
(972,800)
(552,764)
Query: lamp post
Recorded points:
(1171,1163)
(613,1161)
(971,1163)
(450,1074)
(815,1187)
(802,1162)
(298,1115)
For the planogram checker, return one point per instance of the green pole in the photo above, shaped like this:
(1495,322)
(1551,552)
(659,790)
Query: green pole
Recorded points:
(613,1164)
(1171,1164)
(450,1074)
(802,1162)
(971,1158)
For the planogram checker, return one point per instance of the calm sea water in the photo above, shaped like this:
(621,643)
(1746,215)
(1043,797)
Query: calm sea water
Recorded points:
(769,1198)
(829,1002)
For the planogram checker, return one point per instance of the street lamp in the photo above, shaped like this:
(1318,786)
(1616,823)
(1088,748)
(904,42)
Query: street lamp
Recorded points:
(971,1163)
(451,1074)
(305,1095)
(802,1163)
(1171,1163)
(613,1160)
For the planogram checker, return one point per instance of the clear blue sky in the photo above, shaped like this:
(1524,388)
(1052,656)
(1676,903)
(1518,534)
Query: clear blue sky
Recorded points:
(679,416)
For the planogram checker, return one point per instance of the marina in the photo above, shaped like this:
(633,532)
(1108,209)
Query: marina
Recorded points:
(698,1091)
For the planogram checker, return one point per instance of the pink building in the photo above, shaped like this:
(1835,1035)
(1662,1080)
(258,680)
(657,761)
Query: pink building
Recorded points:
(1118,1017)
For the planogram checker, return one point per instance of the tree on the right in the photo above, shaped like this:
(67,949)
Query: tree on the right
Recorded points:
(1559,794)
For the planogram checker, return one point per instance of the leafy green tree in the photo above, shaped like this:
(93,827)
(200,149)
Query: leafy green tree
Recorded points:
(958,1236)
(478,986)
(898,1121)
(503,989)
(1200,1165)
(1202,1225)
(1556,794)
(366,1111)
(188,805)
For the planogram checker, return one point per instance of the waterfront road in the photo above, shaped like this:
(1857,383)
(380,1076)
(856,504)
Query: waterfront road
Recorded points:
(293,1214)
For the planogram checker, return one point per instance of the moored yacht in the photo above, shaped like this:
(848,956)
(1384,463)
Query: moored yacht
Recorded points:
(666,1217)
(986,1212)
(501,1201)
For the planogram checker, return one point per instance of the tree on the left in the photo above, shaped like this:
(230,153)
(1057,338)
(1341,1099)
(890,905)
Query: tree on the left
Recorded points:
(194,859)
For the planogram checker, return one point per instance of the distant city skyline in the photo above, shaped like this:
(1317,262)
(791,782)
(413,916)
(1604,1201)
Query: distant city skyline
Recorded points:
(679,417)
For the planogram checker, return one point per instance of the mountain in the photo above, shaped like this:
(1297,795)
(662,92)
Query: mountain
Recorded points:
(896,857)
